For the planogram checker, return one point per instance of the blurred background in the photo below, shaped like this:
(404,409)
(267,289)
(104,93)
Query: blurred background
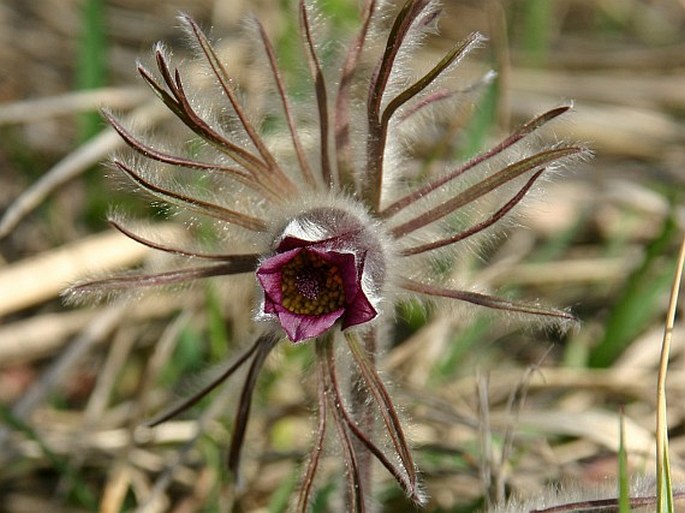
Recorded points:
(495,408)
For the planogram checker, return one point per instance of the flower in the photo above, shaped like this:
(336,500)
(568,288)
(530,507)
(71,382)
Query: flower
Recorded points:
(327,267)
(310,288)
(333,231)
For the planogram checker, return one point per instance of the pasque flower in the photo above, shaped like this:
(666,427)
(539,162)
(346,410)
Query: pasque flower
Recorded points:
(310,284)
(336,227)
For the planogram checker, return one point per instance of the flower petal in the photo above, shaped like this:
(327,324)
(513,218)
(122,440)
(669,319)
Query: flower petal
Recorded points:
(269,276)
(359,311)
(300,327)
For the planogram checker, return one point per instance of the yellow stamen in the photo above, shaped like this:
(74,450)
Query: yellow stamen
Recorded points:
(311,286)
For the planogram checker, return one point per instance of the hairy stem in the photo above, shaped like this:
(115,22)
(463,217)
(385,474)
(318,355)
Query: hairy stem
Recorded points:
(363,415)
(305,494)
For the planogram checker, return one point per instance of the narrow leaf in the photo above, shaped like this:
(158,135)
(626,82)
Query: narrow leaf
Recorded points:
(476,228)
(134,280)
(483,187)
(222,76)
(512,139)
(246,261)
(209,387)
(321,94)
(295,138)
(202,207)
(264,345)
(485,300)
(455,54)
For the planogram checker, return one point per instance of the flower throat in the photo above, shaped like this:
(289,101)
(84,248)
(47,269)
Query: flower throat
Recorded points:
(311,286)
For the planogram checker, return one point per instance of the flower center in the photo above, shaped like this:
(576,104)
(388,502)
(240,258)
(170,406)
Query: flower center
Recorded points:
(311,286)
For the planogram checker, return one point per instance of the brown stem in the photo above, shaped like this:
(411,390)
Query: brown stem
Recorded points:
(191,401)
(294,137)
(599,505)
(321,94)
(280,179)
(374,386)
(317,450)
(358,486)
(264,346)
(378,124)
(363,415)
(342,112)
(403,479)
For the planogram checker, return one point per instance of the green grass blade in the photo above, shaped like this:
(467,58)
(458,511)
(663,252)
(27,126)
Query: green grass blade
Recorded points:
(91,70)
(77,489)
(663,468)
(481,123)
(281,497)
(538,23)
(639,301)
(623,478)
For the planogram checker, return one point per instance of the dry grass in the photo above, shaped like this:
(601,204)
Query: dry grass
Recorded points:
(494,409)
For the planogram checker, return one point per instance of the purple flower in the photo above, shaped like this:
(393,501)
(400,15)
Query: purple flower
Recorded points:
(309,287)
